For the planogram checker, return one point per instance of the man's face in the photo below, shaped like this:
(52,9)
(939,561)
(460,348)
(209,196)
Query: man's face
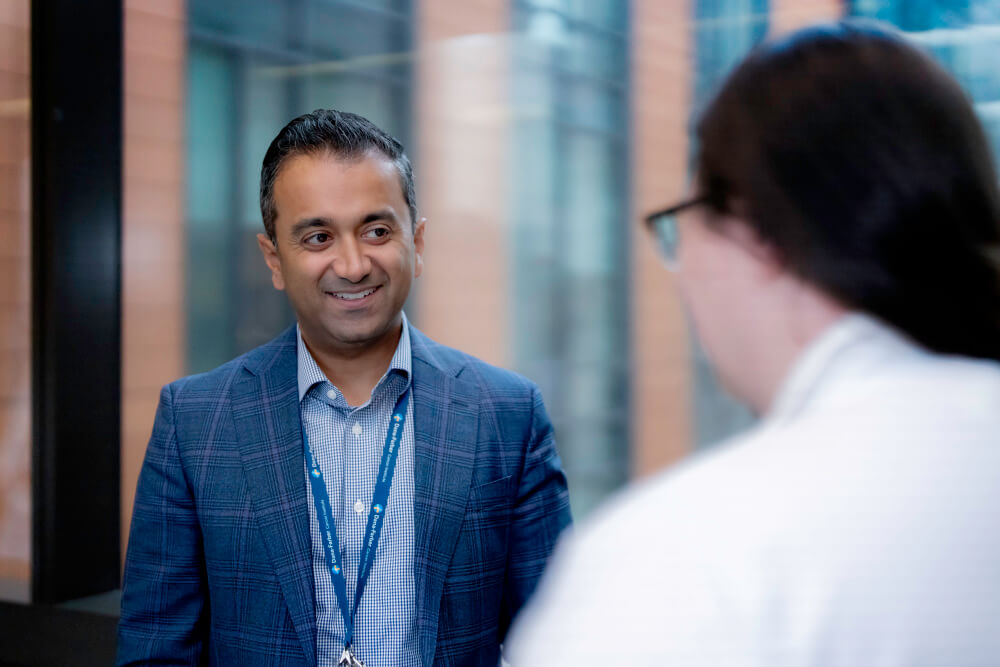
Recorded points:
(345,251)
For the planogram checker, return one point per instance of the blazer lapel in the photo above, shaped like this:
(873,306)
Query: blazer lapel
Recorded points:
(266,409)
(445,415)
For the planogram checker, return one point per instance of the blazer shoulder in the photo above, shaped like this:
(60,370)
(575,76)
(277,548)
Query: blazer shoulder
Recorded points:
(219,379)
(467,367)
(487,375)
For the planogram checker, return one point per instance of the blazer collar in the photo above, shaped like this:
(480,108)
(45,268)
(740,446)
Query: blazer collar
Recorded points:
(446,425)
(266,412)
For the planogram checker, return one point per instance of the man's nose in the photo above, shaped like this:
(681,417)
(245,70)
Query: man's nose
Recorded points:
(351,263)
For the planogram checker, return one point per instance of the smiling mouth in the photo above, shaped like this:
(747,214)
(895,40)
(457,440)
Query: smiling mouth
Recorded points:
(353,296)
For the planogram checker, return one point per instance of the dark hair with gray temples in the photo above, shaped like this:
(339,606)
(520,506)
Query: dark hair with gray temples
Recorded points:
(342,134)
(862,162)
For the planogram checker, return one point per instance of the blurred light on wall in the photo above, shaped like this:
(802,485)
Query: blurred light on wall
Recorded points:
(15,301)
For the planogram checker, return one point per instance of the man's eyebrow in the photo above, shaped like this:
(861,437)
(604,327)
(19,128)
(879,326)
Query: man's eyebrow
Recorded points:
(309,223)
(382,214)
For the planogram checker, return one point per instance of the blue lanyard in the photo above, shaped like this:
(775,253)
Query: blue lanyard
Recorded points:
(376,514)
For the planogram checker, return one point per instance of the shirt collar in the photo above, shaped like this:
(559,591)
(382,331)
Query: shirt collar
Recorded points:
(309,372)
(814,364)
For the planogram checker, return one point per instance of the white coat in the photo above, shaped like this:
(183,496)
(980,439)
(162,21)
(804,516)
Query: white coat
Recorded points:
(857,525)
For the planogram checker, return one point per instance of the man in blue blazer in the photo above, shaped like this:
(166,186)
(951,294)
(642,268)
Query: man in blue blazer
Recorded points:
(351,492)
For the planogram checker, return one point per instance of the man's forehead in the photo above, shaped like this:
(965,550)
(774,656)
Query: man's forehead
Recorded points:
(351,178)
(305,163)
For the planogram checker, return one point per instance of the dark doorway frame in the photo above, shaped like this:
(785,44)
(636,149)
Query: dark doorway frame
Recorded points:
(76,151)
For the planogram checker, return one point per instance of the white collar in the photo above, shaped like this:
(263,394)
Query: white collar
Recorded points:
(821,356)
(309,372)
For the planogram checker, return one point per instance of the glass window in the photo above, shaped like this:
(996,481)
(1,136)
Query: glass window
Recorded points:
(569,193)
(964,35)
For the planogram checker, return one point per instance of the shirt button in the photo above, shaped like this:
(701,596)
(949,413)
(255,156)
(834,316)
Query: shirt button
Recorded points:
(359,507)
(357,429)
(332,394)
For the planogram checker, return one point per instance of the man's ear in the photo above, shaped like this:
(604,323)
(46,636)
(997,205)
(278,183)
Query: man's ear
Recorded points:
(418,246)
(272,260)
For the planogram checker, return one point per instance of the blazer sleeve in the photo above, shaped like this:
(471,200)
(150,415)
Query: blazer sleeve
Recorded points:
(164,615)
(540,514)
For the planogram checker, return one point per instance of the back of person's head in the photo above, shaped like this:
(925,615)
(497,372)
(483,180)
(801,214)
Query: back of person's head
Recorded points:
(341,134)
(861,161)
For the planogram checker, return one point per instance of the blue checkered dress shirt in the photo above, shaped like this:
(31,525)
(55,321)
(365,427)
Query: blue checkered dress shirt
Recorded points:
(348,442)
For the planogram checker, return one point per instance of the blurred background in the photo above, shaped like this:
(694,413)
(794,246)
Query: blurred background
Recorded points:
(540,131)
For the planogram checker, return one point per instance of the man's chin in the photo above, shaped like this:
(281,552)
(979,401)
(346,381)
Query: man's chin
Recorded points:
(361,335)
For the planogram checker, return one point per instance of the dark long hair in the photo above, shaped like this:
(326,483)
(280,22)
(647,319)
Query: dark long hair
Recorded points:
(862,161)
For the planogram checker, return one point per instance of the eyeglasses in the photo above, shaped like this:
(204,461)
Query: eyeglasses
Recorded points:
(663,226)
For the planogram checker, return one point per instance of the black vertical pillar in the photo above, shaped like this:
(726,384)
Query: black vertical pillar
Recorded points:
(76,133)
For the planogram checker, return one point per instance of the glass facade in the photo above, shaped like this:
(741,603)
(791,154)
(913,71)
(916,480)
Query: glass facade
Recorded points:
(725,30)
(569,319)
(964,35)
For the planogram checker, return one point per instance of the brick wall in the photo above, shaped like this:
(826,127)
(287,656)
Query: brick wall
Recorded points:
(153,223)
(15,300)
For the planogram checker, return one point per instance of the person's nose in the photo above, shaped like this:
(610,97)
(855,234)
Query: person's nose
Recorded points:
(351,262)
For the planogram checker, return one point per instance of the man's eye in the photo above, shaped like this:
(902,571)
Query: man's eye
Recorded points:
(317,239)
(376,233)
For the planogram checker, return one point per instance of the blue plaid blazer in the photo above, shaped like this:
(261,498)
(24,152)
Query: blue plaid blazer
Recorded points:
(218,568)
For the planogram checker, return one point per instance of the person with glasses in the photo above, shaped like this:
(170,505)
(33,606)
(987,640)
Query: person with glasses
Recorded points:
(839,260)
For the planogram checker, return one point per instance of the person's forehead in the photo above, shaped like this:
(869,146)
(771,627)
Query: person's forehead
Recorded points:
(359,175)
(338,189)
(324,158)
